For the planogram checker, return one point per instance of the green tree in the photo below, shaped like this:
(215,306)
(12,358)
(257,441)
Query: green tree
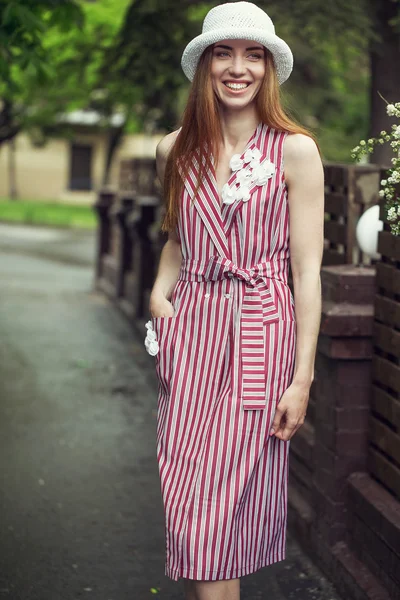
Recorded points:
(24,24)
(345,53)
(142,66)
(76,57)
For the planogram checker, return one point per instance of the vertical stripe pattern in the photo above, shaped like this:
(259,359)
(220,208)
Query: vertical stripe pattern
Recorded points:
(226,357)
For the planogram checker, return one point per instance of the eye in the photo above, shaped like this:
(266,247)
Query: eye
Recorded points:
(221,53)
(255,56)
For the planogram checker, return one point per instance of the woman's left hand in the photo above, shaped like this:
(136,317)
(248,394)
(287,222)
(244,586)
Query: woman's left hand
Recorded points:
(290,412)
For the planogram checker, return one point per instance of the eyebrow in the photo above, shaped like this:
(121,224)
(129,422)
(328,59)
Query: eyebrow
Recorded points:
(230,47)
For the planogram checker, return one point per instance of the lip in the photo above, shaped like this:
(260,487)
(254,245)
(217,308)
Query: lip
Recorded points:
(236,92)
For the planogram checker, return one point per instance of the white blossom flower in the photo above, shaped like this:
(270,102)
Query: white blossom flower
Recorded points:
(395,177)
(383,182)
(390,109)
(252,154)
(150,341)
(236,162)
(228,194)
(381,193)
(391,216)
(396,132)
(243,193)
(244,177)
(152,346)
(151,335)
(362,143)
(398,210)
(248,156)
(268,166)
(264,172)
(257,153)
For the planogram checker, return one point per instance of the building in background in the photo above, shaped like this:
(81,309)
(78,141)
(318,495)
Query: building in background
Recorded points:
(68,170)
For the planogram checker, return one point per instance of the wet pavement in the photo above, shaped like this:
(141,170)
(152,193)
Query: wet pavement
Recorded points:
(80,504)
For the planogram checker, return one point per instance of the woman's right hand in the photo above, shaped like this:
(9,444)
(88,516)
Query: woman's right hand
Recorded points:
(160,306)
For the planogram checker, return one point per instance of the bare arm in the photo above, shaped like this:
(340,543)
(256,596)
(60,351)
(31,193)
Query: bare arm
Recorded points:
(171,256)
(304,176)
(305,179)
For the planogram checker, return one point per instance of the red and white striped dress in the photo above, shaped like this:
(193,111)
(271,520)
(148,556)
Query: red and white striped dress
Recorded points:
(225,359)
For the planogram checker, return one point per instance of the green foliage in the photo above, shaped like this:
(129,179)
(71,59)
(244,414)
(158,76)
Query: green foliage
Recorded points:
(32,212)
(124,55)
(24,65)
(50,55)
(142,67)
(328,89)
(23,28)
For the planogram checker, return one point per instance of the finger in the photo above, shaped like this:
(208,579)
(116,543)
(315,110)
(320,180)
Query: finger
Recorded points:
(276,424)
(288,430)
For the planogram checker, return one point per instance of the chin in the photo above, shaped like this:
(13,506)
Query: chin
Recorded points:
(235,104)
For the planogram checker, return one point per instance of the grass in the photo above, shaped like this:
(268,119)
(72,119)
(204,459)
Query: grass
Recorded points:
(36,212)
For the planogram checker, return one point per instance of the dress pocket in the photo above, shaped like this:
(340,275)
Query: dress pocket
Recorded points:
(164,328)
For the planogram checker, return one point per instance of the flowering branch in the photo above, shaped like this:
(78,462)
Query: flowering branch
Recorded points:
(388,186)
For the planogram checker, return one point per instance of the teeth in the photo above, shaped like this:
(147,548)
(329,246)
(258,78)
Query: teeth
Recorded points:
(236,86)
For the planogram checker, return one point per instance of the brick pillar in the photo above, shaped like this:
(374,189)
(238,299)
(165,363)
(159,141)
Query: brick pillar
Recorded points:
(342,392)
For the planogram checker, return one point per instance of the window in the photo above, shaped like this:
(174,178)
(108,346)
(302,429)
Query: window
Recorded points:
(81,167)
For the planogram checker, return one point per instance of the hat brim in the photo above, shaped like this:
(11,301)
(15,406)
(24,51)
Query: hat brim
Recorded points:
(281,52)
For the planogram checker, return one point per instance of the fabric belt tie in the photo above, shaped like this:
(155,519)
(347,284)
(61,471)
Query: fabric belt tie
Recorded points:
(257,308)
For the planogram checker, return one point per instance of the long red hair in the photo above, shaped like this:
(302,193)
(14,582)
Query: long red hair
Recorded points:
(201,132)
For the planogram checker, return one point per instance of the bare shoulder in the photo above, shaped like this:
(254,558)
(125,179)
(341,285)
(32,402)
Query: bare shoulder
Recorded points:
(301,156)
(298,146)
(164,145)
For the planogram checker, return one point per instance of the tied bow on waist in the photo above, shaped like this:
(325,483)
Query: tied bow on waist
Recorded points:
(257,308)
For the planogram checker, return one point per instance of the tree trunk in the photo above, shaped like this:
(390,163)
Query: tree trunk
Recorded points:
(114,139)
(385,78)
(12,180)
(9,127)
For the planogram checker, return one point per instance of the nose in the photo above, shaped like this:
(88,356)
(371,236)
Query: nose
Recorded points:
(237,67)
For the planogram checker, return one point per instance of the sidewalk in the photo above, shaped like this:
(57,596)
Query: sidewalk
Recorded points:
(81,512)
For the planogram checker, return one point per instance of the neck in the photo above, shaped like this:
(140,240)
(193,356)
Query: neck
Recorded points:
(237,127)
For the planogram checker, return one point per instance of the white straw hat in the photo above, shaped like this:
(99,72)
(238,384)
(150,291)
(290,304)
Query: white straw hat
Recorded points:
(238,21)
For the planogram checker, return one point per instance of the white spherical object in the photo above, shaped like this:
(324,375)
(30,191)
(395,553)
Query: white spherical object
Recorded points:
(367,231)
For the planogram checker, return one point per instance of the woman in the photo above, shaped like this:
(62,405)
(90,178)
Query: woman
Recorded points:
(234,351)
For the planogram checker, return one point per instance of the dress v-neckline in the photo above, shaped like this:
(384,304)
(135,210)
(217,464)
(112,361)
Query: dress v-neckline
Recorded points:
(214,181)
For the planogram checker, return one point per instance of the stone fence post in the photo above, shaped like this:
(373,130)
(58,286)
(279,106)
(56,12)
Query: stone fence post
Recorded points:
(102,206)
(343,393)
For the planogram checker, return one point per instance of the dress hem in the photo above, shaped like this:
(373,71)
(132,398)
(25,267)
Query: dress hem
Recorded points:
(207,575)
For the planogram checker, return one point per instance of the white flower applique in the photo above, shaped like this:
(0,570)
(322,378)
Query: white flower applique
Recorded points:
(249,171)
(150,341)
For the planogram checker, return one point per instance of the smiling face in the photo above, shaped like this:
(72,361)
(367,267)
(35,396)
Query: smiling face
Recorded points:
(237,71)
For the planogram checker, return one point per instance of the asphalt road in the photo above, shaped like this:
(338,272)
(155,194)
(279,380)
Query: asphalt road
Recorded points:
(80,505)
